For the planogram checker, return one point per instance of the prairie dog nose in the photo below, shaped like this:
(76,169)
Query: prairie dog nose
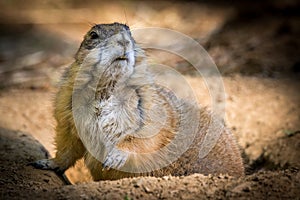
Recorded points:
(123,40)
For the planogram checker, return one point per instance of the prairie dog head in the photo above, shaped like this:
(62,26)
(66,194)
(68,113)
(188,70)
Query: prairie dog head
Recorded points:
(110,49)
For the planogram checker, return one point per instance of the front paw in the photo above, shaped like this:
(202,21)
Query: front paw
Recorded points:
(115,159)
(46,164)
(49,164)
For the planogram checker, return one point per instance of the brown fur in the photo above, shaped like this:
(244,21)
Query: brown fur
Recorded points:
(223,158)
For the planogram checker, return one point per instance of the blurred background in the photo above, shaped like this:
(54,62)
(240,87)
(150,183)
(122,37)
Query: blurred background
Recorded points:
(39,38)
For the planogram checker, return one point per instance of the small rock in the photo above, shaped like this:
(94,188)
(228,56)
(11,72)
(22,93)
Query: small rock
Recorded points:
(137,183)
(244,187)
(147,190)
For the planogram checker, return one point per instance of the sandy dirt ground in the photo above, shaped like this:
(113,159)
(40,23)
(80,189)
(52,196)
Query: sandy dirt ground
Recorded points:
(260,68)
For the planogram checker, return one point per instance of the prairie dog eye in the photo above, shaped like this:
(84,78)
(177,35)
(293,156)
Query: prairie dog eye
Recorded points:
(94,35)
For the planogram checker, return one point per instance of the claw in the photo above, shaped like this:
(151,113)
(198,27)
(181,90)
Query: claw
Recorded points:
(105,165)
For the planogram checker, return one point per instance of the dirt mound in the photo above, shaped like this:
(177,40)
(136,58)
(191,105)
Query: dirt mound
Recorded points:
(20,181)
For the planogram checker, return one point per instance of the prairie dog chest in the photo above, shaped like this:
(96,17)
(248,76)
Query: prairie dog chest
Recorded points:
(120,114)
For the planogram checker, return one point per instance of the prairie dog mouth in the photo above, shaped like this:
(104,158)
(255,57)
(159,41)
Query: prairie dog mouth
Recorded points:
(122,58)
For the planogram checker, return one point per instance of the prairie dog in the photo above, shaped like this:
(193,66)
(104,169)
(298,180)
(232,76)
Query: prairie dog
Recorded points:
(109,111)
